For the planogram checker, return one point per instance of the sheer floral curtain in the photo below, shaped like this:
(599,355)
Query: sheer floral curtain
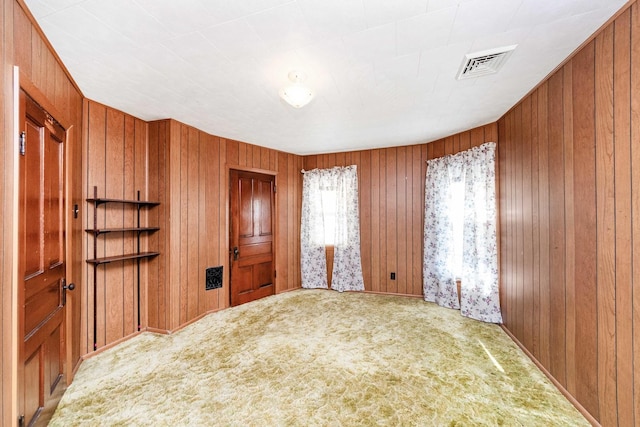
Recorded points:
(347,265)
(312,247)
(479,281)
(439,281)
(479,292)
(330,215)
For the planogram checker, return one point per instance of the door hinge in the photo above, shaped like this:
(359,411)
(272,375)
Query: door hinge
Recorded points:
(275,189)
(22,142)
(21,421)
(63,283)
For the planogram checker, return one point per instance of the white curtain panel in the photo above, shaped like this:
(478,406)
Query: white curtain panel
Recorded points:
(330,206)
(347,264)
(313,259)
(479,292)
(479,282)
(439,281)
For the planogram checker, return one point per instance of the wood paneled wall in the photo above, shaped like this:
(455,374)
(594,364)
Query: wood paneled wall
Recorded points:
(115,150)
(287,168)
(569,157)
(22,44)
(187,177)
(391,197)
(186,170)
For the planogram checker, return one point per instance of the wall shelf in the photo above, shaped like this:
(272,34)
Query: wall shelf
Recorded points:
(107,260)
(98,231)
(98,201)
(138,255)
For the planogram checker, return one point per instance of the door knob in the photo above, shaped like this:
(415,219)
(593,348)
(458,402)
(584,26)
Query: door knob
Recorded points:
(236,252)
(70,286)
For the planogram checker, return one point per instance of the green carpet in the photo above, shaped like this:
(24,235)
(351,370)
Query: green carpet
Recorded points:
(320,358)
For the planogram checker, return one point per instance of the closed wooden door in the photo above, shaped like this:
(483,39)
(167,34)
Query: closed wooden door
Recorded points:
(251,236)
(41,264)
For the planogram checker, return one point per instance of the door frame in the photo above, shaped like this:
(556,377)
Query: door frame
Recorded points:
(269,172)
(22,82)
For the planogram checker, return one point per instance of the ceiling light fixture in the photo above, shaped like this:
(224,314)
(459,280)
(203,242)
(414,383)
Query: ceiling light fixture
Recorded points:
(297,94)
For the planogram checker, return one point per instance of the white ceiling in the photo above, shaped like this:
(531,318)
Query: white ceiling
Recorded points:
(383,70)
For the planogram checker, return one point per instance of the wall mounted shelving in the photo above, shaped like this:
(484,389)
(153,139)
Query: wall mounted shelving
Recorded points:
(138,255)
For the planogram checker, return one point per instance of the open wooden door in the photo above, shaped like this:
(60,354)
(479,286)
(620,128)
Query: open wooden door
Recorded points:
(41,264)
(251,236)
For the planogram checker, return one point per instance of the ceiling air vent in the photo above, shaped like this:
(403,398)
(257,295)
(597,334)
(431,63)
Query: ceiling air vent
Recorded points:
(485,62)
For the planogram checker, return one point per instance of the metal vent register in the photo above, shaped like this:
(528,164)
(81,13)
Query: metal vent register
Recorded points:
(213,279)
(484,62)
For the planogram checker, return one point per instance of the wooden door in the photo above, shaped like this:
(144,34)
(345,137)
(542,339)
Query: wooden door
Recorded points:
(251,236)
(41,264)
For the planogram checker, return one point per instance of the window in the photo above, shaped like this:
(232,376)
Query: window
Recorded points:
(454,184)
(328,203)
(330,217)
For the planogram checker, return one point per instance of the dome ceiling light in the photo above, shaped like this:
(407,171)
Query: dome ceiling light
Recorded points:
(297,94)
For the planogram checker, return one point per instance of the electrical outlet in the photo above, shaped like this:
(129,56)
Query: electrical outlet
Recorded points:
(393,276)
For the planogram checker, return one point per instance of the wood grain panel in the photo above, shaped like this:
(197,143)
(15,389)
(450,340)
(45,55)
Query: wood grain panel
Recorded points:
(96,151)
(584,159)
(535,228)
(193,229)
(400,284)
(376,241)
(510,229)
(364,190)
(141,172)
(23,45)
(622,177)
(282,223)
(505,221)
(391,204)
(416,229)
(556,229)
(182,282)
(382,231)
(635,206)
(112,305)
(583,130)
(543,203)
(527,225)
(516,135)
(129,302)
(605,205)
(211,254)
(569,228)
(156,276)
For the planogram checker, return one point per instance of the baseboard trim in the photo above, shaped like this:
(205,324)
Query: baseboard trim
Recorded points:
(288,290)
(110,345)
(158,331)
(74,371)
(555,382)
(395,294)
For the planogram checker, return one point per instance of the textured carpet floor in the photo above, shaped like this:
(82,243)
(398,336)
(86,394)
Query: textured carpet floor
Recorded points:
(318,358)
